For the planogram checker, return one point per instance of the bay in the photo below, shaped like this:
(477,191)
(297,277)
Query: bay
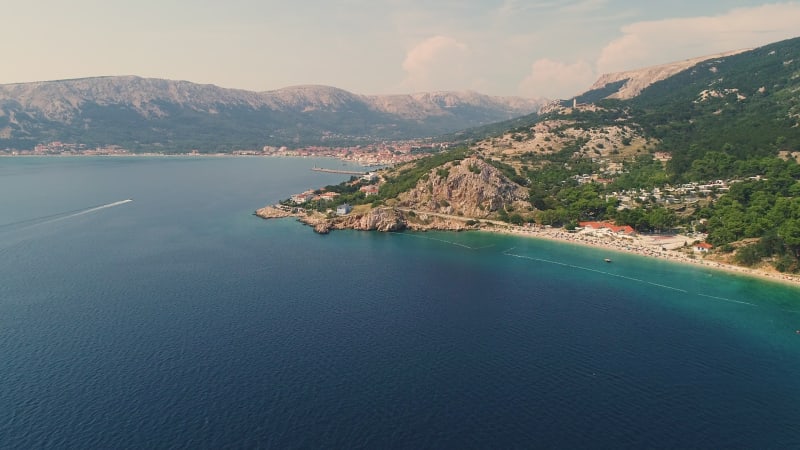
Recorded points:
(179,319)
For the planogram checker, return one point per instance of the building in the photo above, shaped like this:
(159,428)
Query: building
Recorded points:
(619,229)
(343,209)
(371,189)
(299,199)
(702,247)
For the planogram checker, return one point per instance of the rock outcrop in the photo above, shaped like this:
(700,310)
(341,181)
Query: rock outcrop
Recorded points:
(273,212)
(449,197)
(471,188)
(372,219)
(380,219)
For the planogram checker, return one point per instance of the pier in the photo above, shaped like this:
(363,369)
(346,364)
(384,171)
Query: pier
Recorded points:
(346,172)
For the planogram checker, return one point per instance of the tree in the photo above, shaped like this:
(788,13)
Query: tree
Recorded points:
(789,231)
(748,256)
(661,219)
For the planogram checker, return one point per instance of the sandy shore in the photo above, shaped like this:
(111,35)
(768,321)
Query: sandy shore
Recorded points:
(643,246)
(662,247)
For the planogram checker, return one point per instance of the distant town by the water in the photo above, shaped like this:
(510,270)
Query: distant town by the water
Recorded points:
(385,153)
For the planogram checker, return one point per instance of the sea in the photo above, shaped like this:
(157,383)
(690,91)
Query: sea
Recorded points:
(143,305)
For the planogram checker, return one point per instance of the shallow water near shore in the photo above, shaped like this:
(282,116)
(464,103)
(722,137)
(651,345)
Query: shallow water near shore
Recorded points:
(180,319)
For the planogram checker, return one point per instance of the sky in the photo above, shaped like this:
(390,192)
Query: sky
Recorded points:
(528,48)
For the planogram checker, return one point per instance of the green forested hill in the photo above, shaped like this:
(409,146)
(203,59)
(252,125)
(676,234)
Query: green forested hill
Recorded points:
(746,105)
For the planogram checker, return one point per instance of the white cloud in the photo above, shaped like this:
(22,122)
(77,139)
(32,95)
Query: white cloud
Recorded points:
(437,63)
(662,41)
(556,79)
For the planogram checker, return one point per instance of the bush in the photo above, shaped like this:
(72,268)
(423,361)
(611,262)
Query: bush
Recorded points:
(748,256)
(786,264)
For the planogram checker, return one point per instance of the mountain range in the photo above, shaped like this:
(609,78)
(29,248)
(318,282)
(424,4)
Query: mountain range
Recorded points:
(147,113)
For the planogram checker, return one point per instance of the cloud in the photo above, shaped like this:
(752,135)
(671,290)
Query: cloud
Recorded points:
(556,79)
(437,63)
(656,42)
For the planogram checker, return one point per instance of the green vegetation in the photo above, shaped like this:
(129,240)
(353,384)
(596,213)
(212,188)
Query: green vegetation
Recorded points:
(404,179)
(724,119)
(750,108)
(768,210)
(408,177)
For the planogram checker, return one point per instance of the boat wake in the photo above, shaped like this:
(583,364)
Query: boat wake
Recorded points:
(727,299)
(638,280)
(37,221)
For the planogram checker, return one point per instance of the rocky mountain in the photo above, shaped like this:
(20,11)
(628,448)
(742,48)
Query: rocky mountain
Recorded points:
(630,83)
(445,196)
(470,187)
(146,113)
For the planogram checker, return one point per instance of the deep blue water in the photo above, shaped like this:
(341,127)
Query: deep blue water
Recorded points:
(181,320)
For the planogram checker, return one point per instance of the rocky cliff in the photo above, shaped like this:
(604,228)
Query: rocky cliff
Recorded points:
(449,197)
(384,219)
(470,188)
(379,219)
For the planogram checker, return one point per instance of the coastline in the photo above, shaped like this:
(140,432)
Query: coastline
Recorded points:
(638,246)
(648,247)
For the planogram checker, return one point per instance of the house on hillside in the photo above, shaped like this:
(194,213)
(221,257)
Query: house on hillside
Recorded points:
(343,209)
(702,247)
(370,189)
(299,199)
(328,195)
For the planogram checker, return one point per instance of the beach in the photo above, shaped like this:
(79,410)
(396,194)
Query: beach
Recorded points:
(672,247)
(649,246)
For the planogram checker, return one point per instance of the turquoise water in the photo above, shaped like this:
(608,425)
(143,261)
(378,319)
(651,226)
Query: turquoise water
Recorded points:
(181,320)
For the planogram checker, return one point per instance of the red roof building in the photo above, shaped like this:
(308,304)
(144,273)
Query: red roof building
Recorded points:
(702,247)
(624,229)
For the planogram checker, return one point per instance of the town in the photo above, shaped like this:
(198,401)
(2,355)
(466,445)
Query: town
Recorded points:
(379,154)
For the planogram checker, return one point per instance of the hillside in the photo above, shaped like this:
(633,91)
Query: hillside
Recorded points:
(629,84)
(151,114)
(709,148)
(744,104)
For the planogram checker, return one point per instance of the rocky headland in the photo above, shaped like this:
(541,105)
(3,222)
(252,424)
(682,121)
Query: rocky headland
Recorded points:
(384,219)
(459,195)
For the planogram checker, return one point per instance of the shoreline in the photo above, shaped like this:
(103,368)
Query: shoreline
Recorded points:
(648,247)
(637,246)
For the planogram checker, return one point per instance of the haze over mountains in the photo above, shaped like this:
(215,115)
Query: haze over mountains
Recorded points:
(146,114)
(178,115)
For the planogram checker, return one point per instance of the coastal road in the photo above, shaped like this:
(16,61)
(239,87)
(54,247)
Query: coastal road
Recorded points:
(453,217)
